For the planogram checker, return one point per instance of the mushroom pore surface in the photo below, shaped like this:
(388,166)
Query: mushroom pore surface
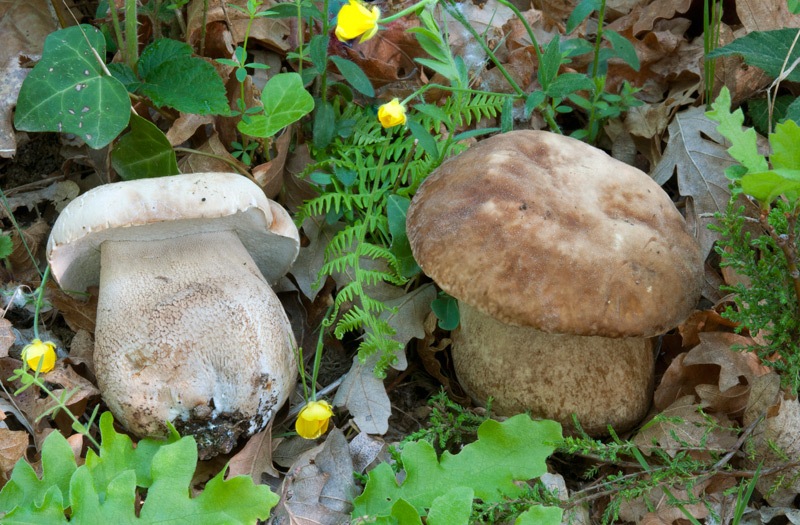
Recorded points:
(189,331)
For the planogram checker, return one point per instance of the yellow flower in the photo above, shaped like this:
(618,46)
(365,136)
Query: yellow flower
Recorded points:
(38,351)
(356,20)
(391,114)
(313,420)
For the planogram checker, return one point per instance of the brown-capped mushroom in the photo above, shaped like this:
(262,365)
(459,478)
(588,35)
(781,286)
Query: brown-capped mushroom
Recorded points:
(564,261)
(188,328)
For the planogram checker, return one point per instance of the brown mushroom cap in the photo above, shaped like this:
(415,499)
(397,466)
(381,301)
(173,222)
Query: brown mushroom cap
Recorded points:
(540,230)
(165,208)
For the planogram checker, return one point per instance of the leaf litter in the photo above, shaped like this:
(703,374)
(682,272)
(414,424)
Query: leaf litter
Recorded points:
(672,139)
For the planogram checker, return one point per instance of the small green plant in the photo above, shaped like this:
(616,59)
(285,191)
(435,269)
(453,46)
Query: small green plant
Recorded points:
(450,426)
(769,305)
(109,484)
(442,489)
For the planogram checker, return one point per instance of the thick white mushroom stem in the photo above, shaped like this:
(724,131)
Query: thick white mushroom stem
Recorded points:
(603,381)
(188,331)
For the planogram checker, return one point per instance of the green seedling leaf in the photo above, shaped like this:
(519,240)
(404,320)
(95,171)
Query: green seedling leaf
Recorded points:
(766,50)
(285,101)
(505,453)
(743,141)
(624,48)
(143,152)
(424,138)
(353,74)
(581,11)
(396,209)
(568,83)
(6,246)
(107,486)
(167,68)
(551,61)
(785,153)
(68,91)
(446,309)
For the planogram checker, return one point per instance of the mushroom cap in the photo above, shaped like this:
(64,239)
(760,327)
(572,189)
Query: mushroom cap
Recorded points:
(165,208)
(541,230)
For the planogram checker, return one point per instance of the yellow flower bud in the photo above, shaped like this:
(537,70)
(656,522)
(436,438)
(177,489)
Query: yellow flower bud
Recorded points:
(38,351)
(356,20)
(313,420)
(391,114)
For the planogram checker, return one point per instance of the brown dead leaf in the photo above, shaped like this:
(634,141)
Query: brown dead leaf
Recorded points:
(24,26)
(319,487)
(79,312)
(13,444)
(717,376)
(185,126)
(703,321)
(255,458)
(639,509)
(81,352)
(196,163)
(758,15)
(35,237)
(7,337)
(270,174)
(776,442)
(271,32)
(691,429)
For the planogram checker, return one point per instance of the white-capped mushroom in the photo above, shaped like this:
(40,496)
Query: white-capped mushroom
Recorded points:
(564,261)
(188,328)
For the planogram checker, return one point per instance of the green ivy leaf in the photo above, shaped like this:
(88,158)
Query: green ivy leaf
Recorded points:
(68,91)
(505,453)
(285,101)
(768,50)
(446,309)
(143,152)
(167,67)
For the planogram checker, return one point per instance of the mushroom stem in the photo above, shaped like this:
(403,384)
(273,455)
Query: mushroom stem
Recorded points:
(177,323)
(603,381)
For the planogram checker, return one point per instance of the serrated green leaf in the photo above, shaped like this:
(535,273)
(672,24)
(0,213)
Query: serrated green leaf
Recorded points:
(166,82)
(69,92)
(159,52)
(104,489)
(766,186)
(505,453)
(540,515)
(785,153)
(143,152)
(6,246)
(285,101)
(123,72)
(743,142)
(624,48)
(767,50)
(25,489)
(452,508)
(354,75)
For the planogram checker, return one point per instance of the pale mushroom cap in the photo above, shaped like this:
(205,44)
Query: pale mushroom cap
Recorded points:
(541,230)
(169,207)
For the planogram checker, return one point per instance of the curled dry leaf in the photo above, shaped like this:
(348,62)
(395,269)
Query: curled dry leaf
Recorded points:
(319,488)
(7,337)
(719,377)
(270,174)
(255,458)
(776,443)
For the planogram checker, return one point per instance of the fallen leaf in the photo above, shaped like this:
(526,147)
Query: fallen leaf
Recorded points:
(365,397)
(7,337)
(319,488)
(79,312)
(365,450)
(13,444)
(312,256)
(697,152)
(776,441)
(270,174)
(255,458)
